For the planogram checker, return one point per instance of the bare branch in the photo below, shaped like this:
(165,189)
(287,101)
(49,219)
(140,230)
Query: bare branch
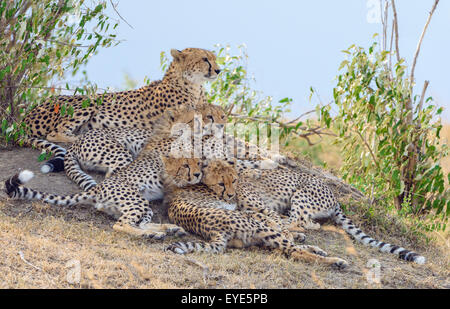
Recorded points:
(114,7)
(374,158)
(395,24)
(384,22)
(304,114)
(317,131)
(420,42)
(422,96)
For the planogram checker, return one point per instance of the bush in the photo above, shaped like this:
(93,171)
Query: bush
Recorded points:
(390,151)
(40,42)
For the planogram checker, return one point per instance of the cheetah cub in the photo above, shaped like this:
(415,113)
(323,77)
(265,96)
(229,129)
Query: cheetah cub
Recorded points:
(208,210)
(306,198)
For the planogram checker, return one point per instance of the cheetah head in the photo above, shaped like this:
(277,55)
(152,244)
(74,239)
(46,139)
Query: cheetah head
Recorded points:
(214,118)
(195,64)
(203,119)
(221,177)
(181,172)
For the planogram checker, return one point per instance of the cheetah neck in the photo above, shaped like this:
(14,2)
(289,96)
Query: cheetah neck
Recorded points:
(174,77)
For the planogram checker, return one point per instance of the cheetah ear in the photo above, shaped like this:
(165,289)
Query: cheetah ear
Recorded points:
(177,55)
(163,159)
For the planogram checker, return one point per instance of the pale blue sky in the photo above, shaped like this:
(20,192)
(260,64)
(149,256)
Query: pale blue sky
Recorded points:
(292,45)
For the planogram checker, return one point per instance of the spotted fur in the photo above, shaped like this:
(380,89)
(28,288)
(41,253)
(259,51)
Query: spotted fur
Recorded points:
(208,210)
(181,85)
(305,199)
(125,195)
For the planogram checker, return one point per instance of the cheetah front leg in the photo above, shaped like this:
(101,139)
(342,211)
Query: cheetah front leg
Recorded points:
(275,240)
(217,244)
(65,132)
(311,255)
(137,215)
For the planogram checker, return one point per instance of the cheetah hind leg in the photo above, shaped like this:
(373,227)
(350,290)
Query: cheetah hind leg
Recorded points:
(137,223)
(58,137)
(66,131)
(311,254)
(168,229)
(272,239)
(302,211)
(136,231)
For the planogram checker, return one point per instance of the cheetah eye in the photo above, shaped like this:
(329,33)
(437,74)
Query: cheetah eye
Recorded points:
(210,117)
(205,59)
(186,165)
(221,184)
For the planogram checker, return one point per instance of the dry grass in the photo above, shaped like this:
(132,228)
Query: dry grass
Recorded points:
(49,237)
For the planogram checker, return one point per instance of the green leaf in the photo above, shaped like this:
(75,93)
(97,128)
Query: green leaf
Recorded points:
(42,156)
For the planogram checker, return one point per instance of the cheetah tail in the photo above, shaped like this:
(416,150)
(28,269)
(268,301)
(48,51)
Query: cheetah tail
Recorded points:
(360,236)
(15,189)
(55,165)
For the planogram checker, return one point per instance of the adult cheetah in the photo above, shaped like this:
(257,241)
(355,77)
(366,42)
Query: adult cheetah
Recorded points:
(126,193)
(181,84)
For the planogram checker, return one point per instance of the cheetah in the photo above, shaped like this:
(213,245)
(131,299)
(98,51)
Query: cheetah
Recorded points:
(126,193)
(208,210)
(109,150)
(181,84)
(126,198)
(306,198)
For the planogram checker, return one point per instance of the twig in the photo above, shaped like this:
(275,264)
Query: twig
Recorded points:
(202,266)
(22,257)
(48,88)
(304,114)
(114,7)
(390,52)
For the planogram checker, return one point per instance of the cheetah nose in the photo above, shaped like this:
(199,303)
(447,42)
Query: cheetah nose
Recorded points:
(230,196)
(197,175)
(217,71)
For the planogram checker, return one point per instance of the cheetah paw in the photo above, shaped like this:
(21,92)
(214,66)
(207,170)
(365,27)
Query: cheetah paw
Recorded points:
(340,264)
(268,164)
(278,158)
(177,248)
(155,235)
(314,250)
(176,231)
(299,237)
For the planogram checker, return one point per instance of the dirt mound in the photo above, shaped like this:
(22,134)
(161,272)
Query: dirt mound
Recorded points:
(38,241)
